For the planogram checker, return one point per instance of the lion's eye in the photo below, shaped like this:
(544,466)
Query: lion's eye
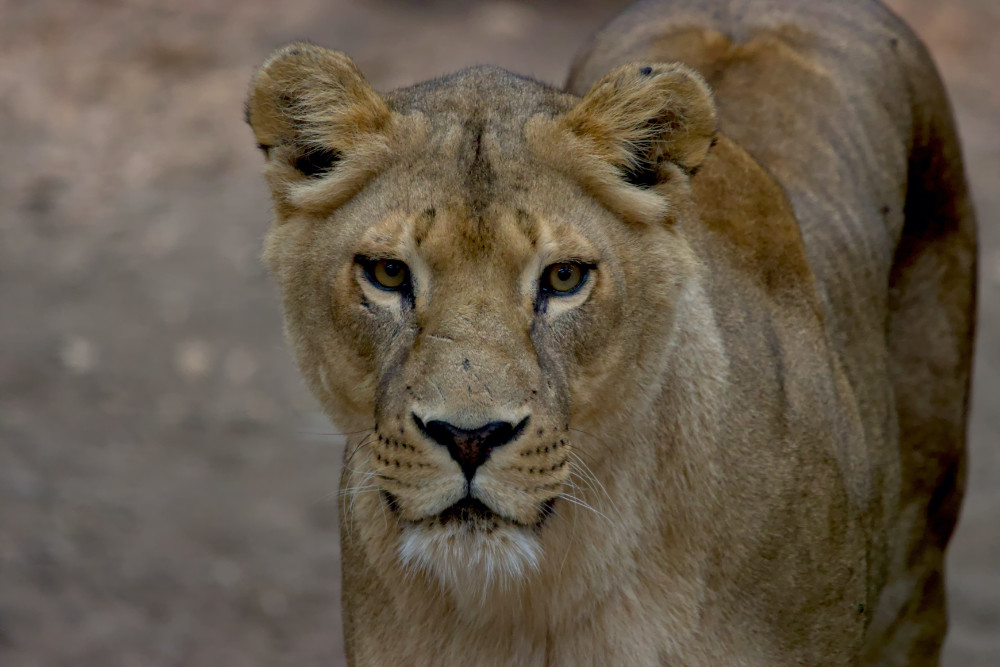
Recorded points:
(390,274)
(564,278)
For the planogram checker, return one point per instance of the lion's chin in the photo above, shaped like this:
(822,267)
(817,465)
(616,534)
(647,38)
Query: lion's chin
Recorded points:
(471,555)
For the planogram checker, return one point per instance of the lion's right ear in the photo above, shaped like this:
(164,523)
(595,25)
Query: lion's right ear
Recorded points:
(642,116)
(636,138)
(321,126)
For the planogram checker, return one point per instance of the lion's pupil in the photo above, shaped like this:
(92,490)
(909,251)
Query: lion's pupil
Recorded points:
(390,274)
(565,273)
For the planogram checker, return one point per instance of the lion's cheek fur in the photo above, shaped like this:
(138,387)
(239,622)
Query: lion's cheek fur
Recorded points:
(334,360)
(629,332)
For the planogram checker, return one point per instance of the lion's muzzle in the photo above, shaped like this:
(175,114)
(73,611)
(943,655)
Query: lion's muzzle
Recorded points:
(470,447)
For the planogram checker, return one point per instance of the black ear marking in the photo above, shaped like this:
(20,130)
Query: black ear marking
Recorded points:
(317,162)
(644,174)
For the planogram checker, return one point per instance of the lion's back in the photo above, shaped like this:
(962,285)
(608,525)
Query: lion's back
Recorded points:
(829,97)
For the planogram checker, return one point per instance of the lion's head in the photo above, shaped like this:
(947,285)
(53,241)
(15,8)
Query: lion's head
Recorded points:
(467,265)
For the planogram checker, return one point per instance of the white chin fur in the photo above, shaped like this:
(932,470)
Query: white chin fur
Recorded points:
(466,560)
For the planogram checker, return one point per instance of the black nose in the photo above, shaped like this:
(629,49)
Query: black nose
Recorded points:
(470,447)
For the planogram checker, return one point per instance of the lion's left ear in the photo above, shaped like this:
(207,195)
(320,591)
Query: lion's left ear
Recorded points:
(321,126)
(643,117)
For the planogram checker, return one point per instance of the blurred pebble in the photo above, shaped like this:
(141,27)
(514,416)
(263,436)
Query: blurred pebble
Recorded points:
(193,359)
(273,603)
(78,355)
(58,548)
(259,407)
(24,483)
(240,365)
(171,409)
(226,572)
(161,238)
(175,308)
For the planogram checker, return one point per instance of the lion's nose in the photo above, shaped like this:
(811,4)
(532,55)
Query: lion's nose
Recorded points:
(470,447)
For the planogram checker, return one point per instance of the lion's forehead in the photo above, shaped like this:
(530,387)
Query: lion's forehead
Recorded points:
(474,162)
(474,189)
(483,91)
(498,236)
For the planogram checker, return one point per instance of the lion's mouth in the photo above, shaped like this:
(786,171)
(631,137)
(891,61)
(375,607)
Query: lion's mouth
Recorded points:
(472,512)
(468,510)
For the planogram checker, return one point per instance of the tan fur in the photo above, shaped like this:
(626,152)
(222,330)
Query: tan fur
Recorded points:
(750,419)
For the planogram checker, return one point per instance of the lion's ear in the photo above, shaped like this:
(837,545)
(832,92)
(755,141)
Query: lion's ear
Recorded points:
(314,115)
(643,117)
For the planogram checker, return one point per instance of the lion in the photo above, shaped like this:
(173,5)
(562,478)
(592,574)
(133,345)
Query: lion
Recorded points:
(668,367)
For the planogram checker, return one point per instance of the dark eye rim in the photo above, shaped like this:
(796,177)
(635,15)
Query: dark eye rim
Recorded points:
(546,289)
(367,265)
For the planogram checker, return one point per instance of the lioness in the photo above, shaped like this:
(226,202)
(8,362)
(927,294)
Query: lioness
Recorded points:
(640,373)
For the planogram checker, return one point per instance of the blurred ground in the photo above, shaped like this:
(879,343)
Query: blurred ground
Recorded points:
(167,491)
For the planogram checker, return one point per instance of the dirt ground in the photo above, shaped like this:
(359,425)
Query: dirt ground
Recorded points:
(167,488)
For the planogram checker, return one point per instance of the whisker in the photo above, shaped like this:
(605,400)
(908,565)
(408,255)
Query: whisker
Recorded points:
(338,435)
(385,521)
(586,469)
(361,485)
(581,503)
(357,489)
(589,479)
(569,547)
(364,441)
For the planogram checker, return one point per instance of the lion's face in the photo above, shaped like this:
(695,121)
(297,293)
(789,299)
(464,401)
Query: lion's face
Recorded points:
(470,363)
(468,298)
(479,335)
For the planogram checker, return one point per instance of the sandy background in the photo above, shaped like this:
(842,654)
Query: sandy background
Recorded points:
(167,489)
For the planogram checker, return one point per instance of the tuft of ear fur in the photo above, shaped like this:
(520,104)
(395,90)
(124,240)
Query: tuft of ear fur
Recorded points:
(640,130)
(321,126)
(642,116)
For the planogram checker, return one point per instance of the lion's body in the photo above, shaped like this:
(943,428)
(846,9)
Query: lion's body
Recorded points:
(761,397)
(842,105)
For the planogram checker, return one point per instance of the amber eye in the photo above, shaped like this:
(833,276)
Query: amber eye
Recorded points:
(390,274)
(564,278)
